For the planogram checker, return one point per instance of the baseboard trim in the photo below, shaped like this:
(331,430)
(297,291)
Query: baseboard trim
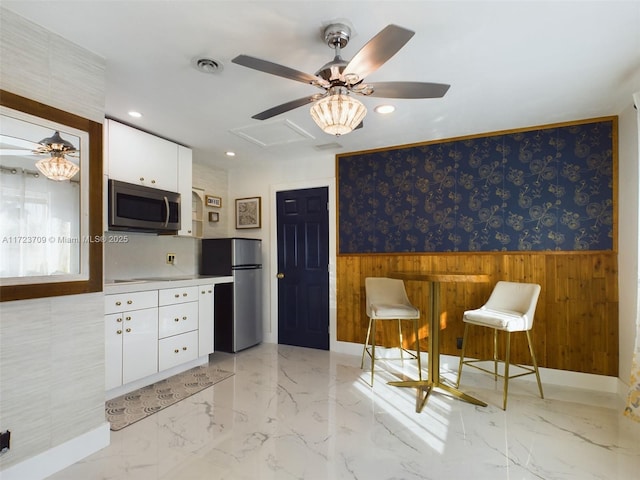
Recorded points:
(60,457)
(588,381)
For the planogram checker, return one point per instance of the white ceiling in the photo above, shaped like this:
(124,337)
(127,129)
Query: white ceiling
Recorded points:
(510,64)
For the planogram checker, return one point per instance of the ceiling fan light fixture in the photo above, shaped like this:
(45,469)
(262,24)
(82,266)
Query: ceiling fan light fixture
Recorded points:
(338,113)
(57,167)
(55,143)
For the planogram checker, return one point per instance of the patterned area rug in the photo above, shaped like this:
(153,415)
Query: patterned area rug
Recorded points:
(129,408)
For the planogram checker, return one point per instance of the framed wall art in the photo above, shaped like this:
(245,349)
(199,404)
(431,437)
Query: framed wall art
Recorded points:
(213,201)
(214,217)
(248,212)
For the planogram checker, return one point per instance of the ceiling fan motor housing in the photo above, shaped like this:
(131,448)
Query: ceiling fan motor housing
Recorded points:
(337,34)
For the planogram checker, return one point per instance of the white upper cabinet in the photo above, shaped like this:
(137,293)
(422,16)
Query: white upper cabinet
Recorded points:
(184,189)
(140,158)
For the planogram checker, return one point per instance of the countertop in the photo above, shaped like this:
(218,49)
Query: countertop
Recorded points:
(157,283)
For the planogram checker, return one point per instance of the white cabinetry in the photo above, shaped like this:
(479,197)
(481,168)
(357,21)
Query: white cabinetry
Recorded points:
(177,326)
(177,349)
(205,320)
(131,334)
(152,334)
(138,157)
(184,189)
(176,319)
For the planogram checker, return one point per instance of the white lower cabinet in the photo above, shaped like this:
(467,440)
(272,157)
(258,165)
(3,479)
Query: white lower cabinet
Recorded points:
(173,351)
(139,345)
(149,331)
(175,319)
(131,339)
(205,320)
(177,326)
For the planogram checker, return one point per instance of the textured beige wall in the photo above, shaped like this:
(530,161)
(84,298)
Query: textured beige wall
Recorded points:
(51,350)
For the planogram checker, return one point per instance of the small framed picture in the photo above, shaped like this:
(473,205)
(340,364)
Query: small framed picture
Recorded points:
(248,213)
(214,217)
(213,201)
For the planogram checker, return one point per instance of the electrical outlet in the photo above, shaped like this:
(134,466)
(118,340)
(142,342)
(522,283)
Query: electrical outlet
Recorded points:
(5,441)
(171,258)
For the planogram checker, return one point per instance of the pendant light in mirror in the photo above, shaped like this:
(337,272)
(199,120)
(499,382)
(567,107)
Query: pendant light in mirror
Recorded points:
(56,167)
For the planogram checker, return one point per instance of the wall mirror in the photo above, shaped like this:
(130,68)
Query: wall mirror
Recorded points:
(50,201)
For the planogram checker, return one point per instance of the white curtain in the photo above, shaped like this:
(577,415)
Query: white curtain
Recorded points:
(39,224)
(632,409)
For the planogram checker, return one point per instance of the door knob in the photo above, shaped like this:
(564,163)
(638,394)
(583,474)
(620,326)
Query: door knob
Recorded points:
(280,275)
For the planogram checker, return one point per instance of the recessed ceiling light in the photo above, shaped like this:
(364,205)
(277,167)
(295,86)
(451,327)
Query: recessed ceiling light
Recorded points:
(230,154)
(135,114)
(384,109)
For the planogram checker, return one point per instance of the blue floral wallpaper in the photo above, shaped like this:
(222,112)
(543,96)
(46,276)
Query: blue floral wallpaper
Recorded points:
(538,190)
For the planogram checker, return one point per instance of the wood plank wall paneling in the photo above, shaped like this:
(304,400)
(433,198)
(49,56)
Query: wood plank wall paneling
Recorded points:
(576,322)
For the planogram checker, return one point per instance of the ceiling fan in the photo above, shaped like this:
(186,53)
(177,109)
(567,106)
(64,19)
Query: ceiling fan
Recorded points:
(56,166)
(336,110)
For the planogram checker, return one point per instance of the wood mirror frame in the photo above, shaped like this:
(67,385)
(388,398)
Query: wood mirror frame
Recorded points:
(94,129)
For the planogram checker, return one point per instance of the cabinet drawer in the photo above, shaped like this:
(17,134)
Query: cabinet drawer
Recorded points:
(122,302)
(178,349)
(170,296)
(175,319)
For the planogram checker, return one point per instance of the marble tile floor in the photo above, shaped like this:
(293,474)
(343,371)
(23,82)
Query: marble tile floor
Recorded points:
(295,413)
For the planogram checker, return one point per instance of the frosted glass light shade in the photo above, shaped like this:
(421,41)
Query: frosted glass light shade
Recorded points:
(338,114)
(57,167)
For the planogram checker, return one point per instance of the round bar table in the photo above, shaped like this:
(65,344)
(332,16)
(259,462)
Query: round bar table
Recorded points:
(433,380)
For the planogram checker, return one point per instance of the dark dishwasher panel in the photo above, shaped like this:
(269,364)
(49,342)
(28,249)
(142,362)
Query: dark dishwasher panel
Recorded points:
(223,317)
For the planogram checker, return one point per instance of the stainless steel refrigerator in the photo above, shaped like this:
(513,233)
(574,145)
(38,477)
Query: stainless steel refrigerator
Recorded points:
(237,306)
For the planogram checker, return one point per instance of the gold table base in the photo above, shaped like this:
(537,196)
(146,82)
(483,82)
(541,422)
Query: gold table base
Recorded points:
(426,387)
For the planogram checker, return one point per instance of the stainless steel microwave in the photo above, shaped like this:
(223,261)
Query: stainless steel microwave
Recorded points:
(137,208)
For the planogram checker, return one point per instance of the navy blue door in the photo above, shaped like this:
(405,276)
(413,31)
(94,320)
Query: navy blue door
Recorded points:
(303,268)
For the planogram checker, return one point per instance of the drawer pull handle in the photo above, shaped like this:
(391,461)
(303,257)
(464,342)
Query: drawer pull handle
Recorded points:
(176,351)
(129,302)
(142,179)
(118,319)
(119,332)
(128,330)
(184,348)
(177,295)
(153,181)
(118,303)
(209,291)
(128,318)
(203,292)
(184,294)
(176,319)
(184,318)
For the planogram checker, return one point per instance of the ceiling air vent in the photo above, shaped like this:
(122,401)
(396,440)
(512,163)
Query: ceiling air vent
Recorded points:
(207,65)
(328,146)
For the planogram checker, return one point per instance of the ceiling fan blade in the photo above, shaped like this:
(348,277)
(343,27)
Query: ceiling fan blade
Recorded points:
(276,69)
(15,152)
(17,142)
(285,107)
(408,89)
(378,50)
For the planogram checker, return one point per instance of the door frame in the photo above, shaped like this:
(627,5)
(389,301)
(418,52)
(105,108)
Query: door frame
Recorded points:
(330,184)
